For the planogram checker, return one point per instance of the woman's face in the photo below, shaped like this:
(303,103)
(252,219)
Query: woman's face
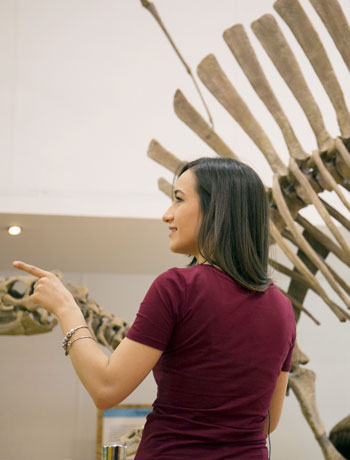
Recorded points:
(184,216)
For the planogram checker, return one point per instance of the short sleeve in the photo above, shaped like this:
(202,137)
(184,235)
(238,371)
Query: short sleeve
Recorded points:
(288,361)
(159,311)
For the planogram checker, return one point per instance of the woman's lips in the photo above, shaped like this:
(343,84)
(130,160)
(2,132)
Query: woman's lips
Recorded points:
(172,231)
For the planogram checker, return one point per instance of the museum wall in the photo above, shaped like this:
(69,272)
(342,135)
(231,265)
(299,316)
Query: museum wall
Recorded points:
(84,87)
(46,414)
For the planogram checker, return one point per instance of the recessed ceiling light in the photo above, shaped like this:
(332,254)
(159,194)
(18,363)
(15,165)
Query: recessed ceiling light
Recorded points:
(14,230)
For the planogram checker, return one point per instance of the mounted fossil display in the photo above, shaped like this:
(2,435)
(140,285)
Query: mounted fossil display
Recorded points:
(298,184)
(295,186)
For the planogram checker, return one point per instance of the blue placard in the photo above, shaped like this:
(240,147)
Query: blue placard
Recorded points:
(127,412)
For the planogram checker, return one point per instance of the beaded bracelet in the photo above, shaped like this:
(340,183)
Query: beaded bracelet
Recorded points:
(67,342)
(70,343)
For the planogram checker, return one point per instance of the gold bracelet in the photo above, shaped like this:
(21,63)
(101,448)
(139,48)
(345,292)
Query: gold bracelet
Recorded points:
(70,343)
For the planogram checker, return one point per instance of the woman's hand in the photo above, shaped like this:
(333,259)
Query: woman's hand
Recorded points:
(49,292)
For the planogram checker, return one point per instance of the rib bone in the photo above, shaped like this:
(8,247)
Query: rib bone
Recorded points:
(272,39)
(187,113)
(336,214)
(322,238)
(238,42)
(218,84)
(292,274)
(303,30)
(162,156)
(337,25)
(165,187)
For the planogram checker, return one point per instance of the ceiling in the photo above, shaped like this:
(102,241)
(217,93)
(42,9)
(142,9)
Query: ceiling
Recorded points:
(88,244)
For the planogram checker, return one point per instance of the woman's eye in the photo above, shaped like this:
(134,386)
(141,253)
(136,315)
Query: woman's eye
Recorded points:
(178,199)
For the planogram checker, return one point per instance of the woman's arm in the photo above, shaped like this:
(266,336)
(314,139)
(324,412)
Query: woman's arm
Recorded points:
(108,380)
(277,402)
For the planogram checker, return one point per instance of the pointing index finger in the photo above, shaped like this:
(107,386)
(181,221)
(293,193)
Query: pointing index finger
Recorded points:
(31,269)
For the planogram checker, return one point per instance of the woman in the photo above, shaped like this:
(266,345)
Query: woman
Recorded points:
(218,334)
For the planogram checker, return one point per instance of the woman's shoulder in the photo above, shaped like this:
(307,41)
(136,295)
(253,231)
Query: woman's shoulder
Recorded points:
(182,275)
(191,271)
(278,293)
(281,300)
(176,274)
(171,277)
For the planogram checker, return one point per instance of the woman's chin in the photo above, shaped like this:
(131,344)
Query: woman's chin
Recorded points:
(175,248)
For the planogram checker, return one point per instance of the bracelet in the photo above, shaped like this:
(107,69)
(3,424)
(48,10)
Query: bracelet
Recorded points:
(70,343)
(67,337)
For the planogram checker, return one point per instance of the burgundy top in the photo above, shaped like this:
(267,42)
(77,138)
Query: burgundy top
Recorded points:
(224,347)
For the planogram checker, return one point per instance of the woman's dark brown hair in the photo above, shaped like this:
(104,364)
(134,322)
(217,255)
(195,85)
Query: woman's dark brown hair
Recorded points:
(234,233)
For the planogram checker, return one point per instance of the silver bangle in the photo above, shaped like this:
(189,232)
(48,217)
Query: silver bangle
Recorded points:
(70,343)
(69,335)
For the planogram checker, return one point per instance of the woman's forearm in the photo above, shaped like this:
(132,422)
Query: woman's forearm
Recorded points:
(89,361)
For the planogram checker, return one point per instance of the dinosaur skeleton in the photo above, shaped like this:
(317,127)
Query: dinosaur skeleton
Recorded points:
(19,315)
(299,184)
(294,186)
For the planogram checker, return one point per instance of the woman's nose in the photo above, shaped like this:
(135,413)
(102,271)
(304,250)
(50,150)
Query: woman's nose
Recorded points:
(168,216)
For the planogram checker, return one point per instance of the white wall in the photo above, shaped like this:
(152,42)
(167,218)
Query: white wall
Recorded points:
(86,84)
